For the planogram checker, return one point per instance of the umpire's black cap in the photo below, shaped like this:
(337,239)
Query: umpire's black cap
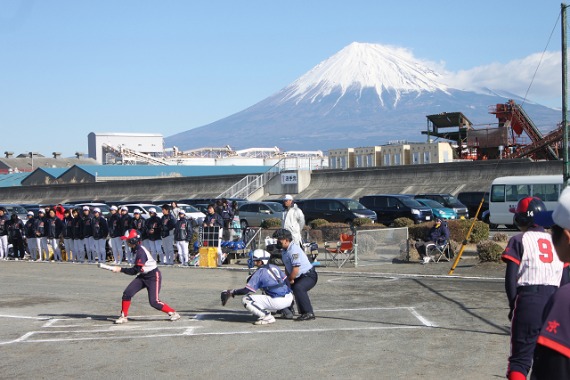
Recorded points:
(282,233)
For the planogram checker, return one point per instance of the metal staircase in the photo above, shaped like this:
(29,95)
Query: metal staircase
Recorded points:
(251,183)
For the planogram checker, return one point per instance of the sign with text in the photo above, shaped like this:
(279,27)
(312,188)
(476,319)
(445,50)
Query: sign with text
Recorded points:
(288,178)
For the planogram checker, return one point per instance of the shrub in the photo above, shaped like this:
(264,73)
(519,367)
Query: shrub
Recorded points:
(317,223)
(458,230)
(332,231)
(371,226)
(500,237)
(489,251)
(403,222)
(271,223)
(315,235)
(419,231)
(361,221)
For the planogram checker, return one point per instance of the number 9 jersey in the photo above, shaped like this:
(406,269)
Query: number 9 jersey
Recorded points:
(534,253)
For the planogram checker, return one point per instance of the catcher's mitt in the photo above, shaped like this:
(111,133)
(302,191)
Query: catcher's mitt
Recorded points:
(225,295)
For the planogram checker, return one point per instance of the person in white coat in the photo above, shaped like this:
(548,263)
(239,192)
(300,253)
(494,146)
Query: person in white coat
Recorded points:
(293,219)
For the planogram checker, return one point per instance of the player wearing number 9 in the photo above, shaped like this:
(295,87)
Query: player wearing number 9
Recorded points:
(533,274)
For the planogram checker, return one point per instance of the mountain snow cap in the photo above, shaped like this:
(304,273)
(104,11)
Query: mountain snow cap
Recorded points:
(365,65)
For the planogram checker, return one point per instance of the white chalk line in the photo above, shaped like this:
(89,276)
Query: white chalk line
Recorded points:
(407,275)
(189,330)
(421,318)
(24,317)
(351,279)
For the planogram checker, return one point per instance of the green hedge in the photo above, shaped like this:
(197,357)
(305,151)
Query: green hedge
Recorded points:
(271,223)
(489,251)
(457,230)
(332,231)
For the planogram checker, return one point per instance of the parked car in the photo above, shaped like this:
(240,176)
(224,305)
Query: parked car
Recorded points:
(389,207)
(13,208)
(448,200)
(472,199)
(202,207)
(192,212)
(194,201)
(101,206)
(340,210)
(439,210)
(143,207)
(254,213)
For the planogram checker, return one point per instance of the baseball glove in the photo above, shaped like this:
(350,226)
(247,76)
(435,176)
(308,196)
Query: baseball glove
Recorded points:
(225,295)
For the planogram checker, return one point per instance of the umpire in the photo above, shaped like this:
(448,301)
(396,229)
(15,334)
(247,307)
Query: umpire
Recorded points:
(300,272)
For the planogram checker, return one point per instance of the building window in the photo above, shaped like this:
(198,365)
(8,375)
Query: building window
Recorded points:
(342,163)
(387,160)
(427,158)
(332,162)
(370,160)
(358,161)
(397,159)
(415,158)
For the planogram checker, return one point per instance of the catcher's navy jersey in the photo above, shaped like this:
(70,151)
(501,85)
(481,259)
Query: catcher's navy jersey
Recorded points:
(271,279)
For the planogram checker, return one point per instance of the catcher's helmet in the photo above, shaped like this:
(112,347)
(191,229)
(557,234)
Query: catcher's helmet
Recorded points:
(260,254)
(282,233)
(525,210)
(132,236)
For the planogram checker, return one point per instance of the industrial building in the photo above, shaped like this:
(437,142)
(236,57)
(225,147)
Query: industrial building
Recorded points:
(391,155)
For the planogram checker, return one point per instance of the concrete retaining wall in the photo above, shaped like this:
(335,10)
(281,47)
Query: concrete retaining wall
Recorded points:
(452,177)
(353,183)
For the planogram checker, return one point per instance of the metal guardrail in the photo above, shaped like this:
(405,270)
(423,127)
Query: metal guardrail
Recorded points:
(251,183)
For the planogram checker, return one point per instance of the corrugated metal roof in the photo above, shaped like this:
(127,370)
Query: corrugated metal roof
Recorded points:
(12,179)
(54,172)
(168,171)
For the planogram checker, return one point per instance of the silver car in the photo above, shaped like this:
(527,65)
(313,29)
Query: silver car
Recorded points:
(254,213)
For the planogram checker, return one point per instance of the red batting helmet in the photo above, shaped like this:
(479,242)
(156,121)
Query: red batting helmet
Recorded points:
(525,210)
(132,236)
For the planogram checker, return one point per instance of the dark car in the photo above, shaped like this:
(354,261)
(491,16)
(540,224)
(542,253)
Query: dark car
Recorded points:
(389,207)
(472,199)
(450,201)
(340,210)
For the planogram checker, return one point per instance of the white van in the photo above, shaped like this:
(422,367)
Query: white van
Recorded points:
(507,191)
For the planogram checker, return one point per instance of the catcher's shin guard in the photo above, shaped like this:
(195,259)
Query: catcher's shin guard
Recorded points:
(250,305)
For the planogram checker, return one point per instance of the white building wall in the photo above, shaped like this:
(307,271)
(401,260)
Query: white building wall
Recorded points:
(149,143)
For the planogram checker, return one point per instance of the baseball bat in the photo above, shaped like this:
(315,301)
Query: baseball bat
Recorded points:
(105,266)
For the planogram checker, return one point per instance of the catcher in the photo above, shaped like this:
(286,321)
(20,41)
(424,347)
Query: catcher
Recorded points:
(269,278)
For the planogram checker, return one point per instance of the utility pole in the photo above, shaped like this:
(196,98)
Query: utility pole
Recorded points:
(566,170)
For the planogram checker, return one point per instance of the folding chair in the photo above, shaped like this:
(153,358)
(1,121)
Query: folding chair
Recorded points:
(342,251)
(441,251)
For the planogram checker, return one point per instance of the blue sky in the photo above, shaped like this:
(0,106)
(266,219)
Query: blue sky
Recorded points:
(68,67)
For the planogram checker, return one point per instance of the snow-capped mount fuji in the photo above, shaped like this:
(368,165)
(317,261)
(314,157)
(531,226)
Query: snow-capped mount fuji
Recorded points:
(362,66)
(366,94)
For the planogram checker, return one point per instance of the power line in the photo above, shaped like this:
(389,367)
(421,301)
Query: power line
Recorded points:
(541,57)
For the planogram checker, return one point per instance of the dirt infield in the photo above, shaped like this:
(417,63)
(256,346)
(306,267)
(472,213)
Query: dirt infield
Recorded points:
(395,322)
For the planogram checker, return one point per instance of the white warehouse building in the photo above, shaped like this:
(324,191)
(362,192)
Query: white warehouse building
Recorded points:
(102,145)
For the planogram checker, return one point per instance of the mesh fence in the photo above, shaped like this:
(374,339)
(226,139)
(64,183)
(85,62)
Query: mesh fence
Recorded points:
(375,247)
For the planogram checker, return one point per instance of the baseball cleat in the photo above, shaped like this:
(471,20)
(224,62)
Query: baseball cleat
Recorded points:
(122,319)
(174,316)
(265,320)
(306,317)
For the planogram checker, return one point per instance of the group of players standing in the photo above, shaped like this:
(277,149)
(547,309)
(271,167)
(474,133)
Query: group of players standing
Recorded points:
(85,232)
